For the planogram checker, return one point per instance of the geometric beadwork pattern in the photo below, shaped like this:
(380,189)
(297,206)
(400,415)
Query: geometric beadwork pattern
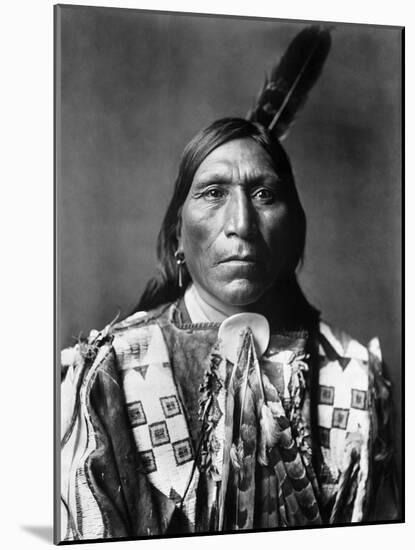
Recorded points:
(148,460)
(182,451)
(326,395)
(340,417)
(142,369)
(170,460)
(159,417)
(343,362)
(359,399)
(170,406)
(159,434)
(136,413)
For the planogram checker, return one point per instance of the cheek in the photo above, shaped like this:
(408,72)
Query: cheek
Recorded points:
(197,235)
(275,226)
(278,231)
(193,235)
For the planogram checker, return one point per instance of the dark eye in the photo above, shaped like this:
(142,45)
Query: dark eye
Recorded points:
(264,195)
(214,193)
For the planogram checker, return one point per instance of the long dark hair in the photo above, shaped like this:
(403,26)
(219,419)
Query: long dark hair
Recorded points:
(163,287)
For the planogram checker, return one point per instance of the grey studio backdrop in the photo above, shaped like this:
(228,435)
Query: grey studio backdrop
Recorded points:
(132,87)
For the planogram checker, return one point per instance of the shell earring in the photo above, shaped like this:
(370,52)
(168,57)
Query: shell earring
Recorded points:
(180,263)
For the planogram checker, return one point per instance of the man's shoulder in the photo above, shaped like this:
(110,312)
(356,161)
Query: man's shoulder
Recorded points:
(100,342)
(139,338)
(336,342)
(142,319)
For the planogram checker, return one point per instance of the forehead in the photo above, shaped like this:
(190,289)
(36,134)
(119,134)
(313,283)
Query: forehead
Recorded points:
(239,157)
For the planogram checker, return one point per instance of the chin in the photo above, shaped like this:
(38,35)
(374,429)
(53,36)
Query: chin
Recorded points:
(241,292)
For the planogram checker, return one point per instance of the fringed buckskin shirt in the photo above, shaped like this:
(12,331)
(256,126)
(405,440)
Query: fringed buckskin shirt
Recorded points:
(165,431)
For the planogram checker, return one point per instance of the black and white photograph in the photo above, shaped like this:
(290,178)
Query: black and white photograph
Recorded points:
(228,274)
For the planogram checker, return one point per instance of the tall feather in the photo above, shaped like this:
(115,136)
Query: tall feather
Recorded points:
(286,90)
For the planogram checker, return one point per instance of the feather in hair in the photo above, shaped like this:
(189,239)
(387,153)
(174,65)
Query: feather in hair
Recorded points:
(286,90)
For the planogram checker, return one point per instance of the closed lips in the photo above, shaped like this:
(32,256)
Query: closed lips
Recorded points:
(236,258)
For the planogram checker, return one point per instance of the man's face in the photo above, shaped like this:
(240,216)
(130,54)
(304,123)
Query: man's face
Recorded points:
(235,231)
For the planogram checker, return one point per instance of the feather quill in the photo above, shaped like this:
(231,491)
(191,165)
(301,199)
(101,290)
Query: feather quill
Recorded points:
(230,450)
(286,90)
(242,461)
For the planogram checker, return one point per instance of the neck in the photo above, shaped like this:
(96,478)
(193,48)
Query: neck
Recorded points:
(212,303)
(207,308)
(202,310)
(284,306)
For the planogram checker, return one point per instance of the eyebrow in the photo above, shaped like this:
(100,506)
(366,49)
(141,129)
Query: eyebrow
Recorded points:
(218,177)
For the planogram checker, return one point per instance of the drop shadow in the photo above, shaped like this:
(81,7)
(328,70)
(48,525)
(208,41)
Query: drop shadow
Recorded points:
(43,532)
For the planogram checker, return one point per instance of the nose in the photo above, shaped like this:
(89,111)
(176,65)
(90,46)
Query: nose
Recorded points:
(240,216)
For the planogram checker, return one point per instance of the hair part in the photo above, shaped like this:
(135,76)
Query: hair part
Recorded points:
(163,287)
